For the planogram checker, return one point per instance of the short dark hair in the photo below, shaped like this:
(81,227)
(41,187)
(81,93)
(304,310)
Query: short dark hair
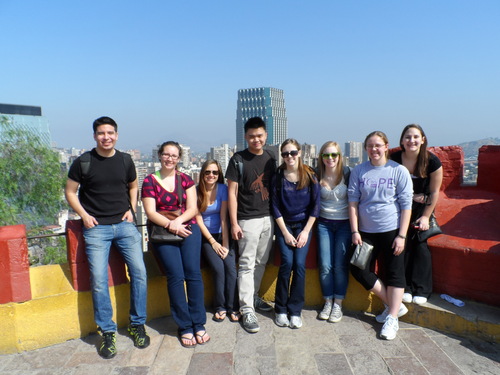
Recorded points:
(104,120)
(254,123)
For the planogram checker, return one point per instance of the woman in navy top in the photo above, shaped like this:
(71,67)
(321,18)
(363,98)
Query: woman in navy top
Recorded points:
(295,206)
(427,176)
(213,221)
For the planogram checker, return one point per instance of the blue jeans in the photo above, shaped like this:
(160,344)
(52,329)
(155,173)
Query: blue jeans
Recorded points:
(290,298)
(181,263)
(127,241)
(334,240)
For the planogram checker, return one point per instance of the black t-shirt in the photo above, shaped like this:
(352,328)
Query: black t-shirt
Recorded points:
(254,186)
(420,185)
(104,191)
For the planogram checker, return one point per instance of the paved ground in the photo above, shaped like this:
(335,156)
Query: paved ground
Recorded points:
(349,347)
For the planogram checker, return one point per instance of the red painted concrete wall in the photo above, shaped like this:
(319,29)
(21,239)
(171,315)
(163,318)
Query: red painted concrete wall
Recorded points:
(78,263)
(14,265)
(489,168)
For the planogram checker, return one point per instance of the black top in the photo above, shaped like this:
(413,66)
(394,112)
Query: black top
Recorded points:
(254,186)
(104,191)
(420,185)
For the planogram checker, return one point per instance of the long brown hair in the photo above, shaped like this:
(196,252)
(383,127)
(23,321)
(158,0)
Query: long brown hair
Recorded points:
(423,154)
(203,193)
(340,164)
(305,173)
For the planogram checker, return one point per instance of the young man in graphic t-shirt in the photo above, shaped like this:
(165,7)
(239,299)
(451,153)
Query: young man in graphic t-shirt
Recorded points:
(249,174)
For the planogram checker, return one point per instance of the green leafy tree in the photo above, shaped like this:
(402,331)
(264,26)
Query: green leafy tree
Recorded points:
(32,181)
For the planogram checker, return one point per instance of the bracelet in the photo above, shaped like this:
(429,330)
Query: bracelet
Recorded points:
(400,236)
(354,232)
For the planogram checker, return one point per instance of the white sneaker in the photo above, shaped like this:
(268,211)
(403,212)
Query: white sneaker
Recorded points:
(382,317)
(419,300)
(295,321)
(336,314)
(281,320)
(390,328)
(407,297)
(327,310)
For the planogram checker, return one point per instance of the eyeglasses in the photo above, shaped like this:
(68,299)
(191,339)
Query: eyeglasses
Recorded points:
(375,146)
(215,173)
(287,154)
(332,155)
(168,156)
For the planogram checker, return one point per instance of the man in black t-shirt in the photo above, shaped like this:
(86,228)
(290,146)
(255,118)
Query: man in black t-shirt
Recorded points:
(249,174)
(102,189)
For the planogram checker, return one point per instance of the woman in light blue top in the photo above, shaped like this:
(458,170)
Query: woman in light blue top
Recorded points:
(334,232)
(213,222)
(380,197)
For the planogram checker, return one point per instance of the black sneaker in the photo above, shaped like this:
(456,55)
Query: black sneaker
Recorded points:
(138,332)
(261,305)
(107,349)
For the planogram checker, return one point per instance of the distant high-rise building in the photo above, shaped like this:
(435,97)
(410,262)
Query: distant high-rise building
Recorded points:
(353,153)
(29,118)
(267,103)
(221,154)
(309,155)
(185,159)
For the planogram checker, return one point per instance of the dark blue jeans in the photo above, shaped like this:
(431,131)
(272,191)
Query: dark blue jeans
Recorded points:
(290,298)
(181,262)
(224,271)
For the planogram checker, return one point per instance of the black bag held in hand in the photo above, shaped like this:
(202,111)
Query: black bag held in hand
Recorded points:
(434,230)
(362,255)
(157,233)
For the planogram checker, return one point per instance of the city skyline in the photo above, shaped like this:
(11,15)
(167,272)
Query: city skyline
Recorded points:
(172,70)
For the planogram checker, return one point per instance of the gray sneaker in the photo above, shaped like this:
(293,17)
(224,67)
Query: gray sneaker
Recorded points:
(281,320)
(261,305)
(327,310)
(336,314)
(295,321)
(250,322)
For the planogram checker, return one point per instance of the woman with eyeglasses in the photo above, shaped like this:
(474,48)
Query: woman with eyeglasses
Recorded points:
(161,192)
(295,207)
(380,195)
(213,221)
(334,233)
(427,175)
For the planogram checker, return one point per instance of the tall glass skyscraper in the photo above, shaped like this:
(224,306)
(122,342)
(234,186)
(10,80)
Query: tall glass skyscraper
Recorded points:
(29,118)
(267,103)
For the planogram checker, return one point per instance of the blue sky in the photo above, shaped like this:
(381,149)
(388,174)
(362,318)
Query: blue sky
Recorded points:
(171,70)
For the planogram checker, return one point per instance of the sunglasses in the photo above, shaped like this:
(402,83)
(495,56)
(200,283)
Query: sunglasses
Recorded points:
(332,155)
(215,173)
(287,154)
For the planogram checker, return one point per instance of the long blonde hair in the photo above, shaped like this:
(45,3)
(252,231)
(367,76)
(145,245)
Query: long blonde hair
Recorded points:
(340,164)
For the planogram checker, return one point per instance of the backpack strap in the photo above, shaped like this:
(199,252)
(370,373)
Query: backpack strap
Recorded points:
(347,175)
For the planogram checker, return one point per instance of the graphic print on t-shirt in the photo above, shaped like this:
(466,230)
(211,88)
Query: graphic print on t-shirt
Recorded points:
(258,187)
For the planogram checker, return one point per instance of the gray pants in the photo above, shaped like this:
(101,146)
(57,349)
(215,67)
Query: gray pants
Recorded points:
(254,249)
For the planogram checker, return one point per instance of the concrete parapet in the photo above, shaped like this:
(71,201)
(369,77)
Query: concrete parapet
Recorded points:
(78,262)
